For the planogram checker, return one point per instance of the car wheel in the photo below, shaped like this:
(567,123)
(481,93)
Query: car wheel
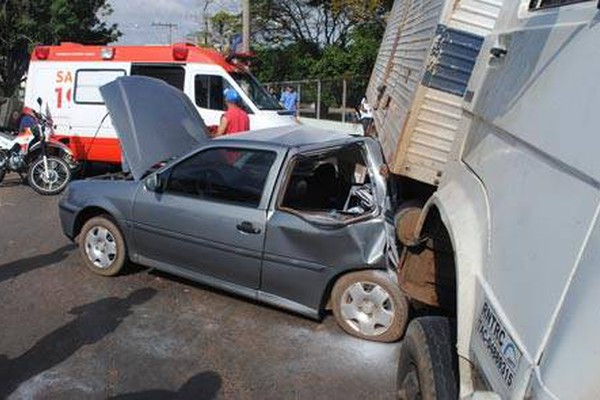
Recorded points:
(370,305)
(102,246)
(427,368)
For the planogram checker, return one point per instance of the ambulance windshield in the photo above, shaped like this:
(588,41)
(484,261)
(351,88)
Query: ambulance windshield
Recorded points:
(256,92)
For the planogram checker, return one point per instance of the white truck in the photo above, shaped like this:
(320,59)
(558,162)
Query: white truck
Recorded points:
(487,114)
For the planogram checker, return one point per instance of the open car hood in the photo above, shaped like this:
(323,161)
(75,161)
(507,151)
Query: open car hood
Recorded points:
(154,121)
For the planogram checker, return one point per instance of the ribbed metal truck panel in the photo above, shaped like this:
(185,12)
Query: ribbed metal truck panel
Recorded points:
(420,77)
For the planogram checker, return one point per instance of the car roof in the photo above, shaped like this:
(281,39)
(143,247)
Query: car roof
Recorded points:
(292,136)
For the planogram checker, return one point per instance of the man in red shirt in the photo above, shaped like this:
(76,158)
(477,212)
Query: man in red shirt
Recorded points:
(235,119)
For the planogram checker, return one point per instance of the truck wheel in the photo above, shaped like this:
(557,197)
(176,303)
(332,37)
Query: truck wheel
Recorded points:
(102,246)
(405,221)
(370,305)
(427,368)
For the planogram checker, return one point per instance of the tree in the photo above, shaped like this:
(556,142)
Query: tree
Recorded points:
(323,22)
(25,23)
(292,53)
(319,39)
(309,21)
(225,25)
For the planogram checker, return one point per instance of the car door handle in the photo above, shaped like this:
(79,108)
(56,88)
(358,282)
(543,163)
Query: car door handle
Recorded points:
(247,227)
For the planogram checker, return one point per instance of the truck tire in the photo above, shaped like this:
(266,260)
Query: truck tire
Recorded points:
(370,305)
(427,368)
(405,222)
(102,246)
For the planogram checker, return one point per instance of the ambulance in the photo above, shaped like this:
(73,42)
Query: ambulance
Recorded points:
(67,78)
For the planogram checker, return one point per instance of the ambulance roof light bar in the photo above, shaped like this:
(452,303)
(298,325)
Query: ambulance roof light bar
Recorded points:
(42,52)
(180,53)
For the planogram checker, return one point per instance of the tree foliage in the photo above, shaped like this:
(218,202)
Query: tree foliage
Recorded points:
(224,26)
(297,43)
(25,23)
(326,22)
(309,21)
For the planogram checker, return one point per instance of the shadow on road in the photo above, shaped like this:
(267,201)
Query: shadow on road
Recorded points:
(202,386)
(12,181)
(18,267)
(94,321)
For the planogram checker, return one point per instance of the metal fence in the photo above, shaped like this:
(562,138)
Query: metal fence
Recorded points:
(331,99)
(10,111)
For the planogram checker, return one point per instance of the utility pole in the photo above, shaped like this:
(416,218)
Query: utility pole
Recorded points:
(205,19)
(168,25)
(246,26)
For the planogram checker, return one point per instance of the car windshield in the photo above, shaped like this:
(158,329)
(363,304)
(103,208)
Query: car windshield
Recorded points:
(257,93)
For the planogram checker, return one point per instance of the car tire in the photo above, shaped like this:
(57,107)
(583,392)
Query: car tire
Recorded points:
(370,305)
(427,366)
(102,246)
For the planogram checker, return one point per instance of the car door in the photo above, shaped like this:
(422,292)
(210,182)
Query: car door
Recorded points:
(318,227)
(210,217)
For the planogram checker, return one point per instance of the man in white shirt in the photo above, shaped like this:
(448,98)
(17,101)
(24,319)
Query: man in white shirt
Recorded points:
(366,114)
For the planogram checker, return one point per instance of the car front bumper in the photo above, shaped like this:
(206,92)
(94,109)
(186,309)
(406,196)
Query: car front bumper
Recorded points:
(68,216)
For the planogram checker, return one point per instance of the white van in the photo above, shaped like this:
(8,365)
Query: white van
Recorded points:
(67,78)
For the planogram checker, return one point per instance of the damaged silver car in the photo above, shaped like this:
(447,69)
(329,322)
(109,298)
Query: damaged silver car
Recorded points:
(291,216)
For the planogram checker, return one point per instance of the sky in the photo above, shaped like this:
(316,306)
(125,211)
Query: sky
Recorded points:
(135,18)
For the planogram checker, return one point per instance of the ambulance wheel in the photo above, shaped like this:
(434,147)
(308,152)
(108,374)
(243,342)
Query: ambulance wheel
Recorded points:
(428,365)
(370,305)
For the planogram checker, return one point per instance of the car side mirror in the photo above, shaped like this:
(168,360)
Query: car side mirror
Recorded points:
(39,101)
(154,183)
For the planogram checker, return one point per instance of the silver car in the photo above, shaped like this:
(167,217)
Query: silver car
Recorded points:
(291,216)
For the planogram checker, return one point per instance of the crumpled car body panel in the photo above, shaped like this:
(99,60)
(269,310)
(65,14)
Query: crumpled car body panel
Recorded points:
(301,259)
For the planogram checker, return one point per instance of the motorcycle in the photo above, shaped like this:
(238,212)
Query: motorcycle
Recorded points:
(47,164)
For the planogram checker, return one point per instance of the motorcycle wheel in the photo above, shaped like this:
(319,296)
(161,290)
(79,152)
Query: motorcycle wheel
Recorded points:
(52,183)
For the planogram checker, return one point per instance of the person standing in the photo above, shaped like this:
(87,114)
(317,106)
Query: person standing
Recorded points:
(27,119)
(289,99)
(235,119)
(366,115)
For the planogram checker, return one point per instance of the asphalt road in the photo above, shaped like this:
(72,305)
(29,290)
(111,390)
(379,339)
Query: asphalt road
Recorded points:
(68,334)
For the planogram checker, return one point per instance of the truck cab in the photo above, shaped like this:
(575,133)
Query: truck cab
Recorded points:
(496,122)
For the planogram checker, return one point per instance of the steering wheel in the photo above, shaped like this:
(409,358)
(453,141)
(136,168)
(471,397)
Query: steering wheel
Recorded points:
(208,180)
